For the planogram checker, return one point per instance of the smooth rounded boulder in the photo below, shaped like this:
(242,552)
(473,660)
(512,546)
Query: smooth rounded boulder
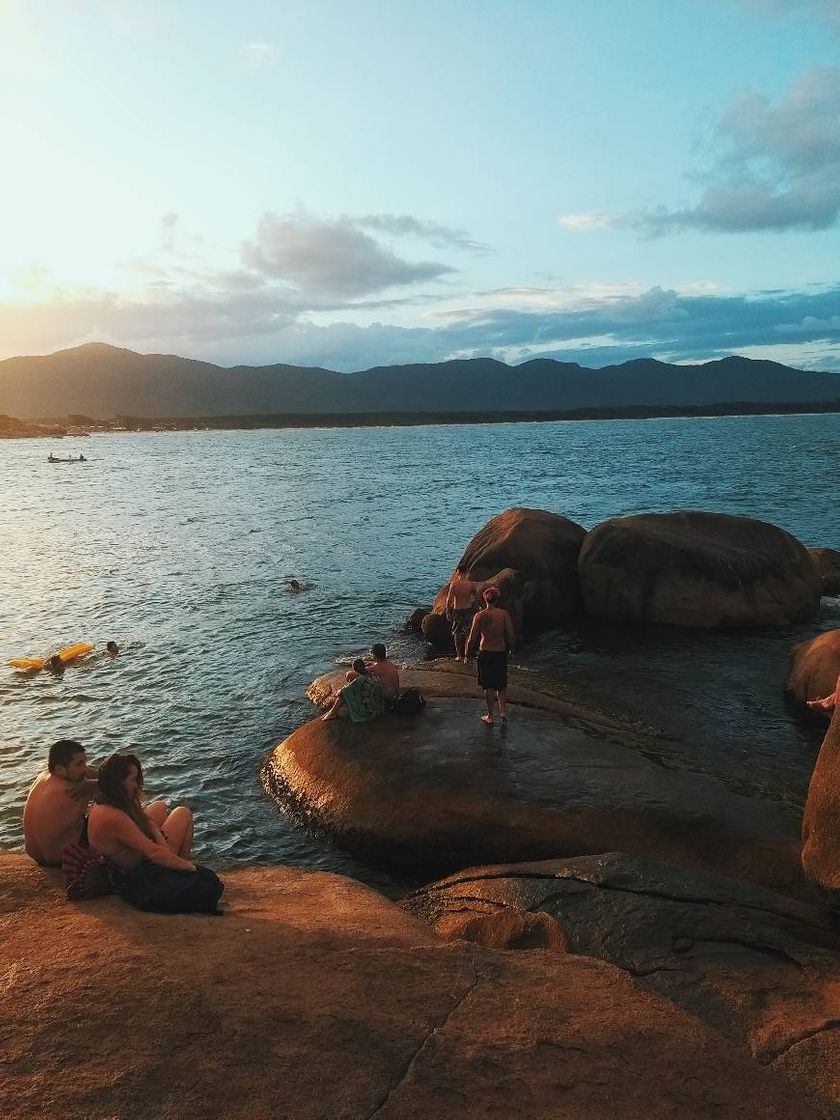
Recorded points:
(821,819)
(697,569)
(828,565)
(542,549)
(760,967)
(814,668)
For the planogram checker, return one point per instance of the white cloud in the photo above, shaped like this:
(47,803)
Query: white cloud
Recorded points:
(257,56)
(586,220)
(330,257)
(777,166)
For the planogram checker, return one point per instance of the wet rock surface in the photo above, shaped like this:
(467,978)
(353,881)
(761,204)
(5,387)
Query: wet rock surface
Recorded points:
(756,966)
(697,569)
(317,999)
(440,791)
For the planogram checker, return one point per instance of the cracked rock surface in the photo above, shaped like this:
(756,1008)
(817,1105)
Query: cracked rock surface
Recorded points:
(314,998)
(758,967)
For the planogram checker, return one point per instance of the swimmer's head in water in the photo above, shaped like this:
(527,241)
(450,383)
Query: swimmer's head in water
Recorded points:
(490,595)
(112,648)
(55,662)
(294,585)
(377,652)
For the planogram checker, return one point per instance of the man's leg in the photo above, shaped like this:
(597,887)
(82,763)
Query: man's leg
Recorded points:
(488,699)
(178,828)
(502,696)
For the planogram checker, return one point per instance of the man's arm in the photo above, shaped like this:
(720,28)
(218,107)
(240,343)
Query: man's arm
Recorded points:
(510,637)
(475,631)
(450,601)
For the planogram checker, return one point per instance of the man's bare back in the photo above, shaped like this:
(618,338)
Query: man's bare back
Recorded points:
(461,593)
(53,815)
(494,628)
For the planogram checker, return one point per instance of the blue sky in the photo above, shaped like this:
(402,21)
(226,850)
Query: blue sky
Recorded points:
(359,183)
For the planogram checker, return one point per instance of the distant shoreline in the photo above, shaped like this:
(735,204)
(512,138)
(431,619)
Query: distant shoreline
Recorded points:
(11,428)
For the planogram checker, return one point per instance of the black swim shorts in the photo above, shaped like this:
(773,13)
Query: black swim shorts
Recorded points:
(461,622)
(492,669)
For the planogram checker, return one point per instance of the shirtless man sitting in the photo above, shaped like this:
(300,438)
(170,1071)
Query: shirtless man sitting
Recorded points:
(388,673)
(55,809)
(492,628)
(459,608)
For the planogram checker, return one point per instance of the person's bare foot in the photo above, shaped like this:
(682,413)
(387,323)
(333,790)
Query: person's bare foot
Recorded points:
(488,720)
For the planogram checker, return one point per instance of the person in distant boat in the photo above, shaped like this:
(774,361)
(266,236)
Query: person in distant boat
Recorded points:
(460,608)
(826,703)
(362,698)
(54,814)
(111,649)
(82,459)
(492,628)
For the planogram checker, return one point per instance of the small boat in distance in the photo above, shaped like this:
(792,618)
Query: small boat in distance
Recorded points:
(73,459)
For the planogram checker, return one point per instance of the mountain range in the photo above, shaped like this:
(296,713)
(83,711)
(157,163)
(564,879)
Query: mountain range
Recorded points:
(102,381)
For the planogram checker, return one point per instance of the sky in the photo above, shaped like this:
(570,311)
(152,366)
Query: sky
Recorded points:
(354,183)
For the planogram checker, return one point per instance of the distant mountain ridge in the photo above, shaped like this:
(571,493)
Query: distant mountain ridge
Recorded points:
(103,381)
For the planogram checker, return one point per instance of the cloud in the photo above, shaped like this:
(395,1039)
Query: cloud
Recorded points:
(331,256)
(823,9)
(405,225)
(167,232)
(592,219)
(270,324)
(257,56)
(777,166)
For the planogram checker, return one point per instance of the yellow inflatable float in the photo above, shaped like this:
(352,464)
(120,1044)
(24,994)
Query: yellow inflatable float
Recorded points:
(66,655)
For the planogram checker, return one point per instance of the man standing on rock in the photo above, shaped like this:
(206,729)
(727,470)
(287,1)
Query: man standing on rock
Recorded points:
(492,628)
(459,608)
(56,805)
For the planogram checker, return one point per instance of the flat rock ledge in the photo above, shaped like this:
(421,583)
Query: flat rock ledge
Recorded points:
(315,998)
(760,968)
(440,791)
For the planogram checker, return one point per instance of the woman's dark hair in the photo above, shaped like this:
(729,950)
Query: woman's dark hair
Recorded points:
(360,667)
(112,773)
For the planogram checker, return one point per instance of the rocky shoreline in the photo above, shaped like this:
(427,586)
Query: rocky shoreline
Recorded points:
(615,933)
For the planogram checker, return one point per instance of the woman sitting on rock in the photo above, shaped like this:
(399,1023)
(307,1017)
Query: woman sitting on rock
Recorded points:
(145,870)
(362,698)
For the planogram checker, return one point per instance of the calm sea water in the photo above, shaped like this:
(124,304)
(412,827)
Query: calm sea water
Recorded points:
(179,545)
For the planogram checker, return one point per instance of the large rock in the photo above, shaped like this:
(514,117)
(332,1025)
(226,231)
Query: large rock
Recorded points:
(756,966)
(542,548)
(814,668)
(828,565)
(697,569)
(317,999)
(442,791)
(821,820)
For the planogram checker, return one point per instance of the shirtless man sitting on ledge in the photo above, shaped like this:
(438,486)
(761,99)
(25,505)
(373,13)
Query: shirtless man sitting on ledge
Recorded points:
(54,814)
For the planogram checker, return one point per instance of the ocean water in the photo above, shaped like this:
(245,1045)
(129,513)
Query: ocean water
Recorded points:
(179,547)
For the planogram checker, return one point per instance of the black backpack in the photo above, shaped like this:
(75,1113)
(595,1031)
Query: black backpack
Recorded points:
(409,703)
